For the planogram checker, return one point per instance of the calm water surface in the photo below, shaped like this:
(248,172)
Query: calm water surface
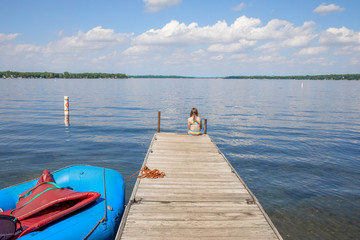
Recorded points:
(295,143)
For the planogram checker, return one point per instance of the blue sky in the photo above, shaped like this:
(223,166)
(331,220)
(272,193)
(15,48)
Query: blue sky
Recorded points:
(181,37)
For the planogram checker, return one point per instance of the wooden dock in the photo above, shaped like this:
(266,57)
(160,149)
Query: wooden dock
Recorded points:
(201,196)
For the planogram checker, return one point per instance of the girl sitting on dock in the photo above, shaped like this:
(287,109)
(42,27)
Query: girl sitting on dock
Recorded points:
(194,123)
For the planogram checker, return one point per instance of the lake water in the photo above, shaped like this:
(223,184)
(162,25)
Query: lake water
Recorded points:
(295,143)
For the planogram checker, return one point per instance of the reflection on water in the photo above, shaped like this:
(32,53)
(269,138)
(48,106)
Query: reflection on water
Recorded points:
(67,120)
(295,143)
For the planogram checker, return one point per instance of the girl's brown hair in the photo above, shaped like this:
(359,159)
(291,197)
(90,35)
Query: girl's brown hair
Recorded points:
(193,113)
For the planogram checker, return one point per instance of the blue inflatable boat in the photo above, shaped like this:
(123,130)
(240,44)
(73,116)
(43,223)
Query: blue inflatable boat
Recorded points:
(76,202)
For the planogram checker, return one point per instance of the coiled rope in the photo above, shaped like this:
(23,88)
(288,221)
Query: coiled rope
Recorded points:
(146,172)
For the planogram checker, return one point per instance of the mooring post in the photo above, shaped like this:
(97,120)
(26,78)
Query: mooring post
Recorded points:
(205,127)
(66,105)
(66,111)
(158,130)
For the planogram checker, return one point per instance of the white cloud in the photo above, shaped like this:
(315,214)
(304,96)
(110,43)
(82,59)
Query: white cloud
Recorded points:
(156,5)
(143,50)
(239,7)
(74,53)
(274,29)
(180,33)
(348,50)
(265,58)
(300,36)
(108,57)
(242,45)
(182,57)
(324,9)
(135,50)
(339,36)
(284,30)
(321,61)
(177,33)
(217,57)
(29,48)
(312,51)
(269,47)
(240,56)
(298,41)
(8,37)
(96,38)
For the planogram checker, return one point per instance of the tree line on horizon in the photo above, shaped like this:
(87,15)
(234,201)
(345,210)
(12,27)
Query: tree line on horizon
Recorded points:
(303,77)
(49,75)
(11,74)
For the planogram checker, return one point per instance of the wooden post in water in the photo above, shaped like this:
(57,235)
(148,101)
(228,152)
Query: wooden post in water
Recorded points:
(158,130)
(205,127)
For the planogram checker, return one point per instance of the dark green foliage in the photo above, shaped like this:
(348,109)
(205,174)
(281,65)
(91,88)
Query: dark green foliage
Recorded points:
(10,74)
(305,77)
(158,76)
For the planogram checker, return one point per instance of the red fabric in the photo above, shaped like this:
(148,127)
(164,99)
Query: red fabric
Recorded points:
(45,177)
(49,206)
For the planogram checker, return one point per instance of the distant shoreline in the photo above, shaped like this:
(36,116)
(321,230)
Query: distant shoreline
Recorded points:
(67,75)
(303,77)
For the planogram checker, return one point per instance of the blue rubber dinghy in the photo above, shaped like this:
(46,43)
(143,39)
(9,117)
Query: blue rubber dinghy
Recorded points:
(91,200)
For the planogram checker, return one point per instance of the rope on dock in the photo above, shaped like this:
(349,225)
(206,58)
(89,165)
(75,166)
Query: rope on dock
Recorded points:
(146,172)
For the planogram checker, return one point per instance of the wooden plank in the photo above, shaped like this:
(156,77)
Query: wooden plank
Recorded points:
(190,164)
(191,170)
(188,181)
(192,204)
(173,157)
(200,197)
(195,216)
(166,137)
(129,236)
(202,185)
(186,167)
(185,198)
(197,224)
(254,232)
(169,145)
(202,191)
(218,207)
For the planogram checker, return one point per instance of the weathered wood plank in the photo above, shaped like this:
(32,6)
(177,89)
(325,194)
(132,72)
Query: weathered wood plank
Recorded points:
(154,163)
(172,157)
(202,185)
(173,207)
(254,232)
(200,176)
(129,236)
(193,180)
(189,169)
(197,224)
(195,216)
(200,191)
(185,198)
